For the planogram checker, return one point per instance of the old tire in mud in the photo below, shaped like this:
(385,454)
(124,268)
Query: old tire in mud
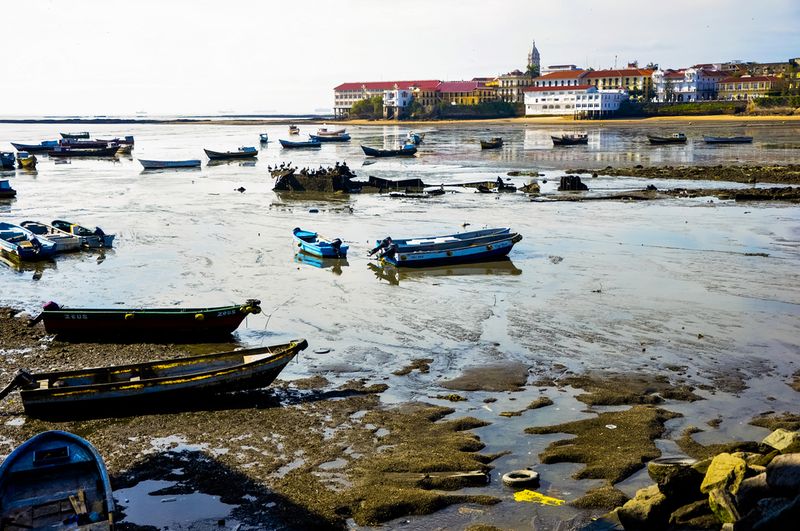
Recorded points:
(521,478)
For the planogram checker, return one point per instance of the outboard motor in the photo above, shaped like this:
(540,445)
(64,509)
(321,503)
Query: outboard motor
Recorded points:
(383,245)
(99,232)
(390,251)
(337,246)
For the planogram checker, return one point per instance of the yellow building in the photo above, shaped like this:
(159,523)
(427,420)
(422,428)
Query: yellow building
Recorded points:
(465,93)
(630,79)
(747,87)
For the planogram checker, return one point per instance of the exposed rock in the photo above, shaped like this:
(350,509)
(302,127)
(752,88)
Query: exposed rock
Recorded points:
(646,511)
(783,473)
(606,497)
(783,440)
(676,478)
(773,421)
(772,514)
(723,505)
(725,471)
(694,515)
(506,377)
(751,490)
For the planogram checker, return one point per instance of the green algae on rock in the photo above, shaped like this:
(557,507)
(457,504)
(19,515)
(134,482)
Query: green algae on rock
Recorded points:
(611,454)
(604,497)
(506,377)
(422,365)
(773,421)
(609,389)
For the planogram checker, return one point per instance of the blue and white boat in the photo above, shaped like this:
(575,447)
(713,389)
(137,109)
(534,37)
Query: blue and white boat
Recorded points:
(6,191)
(20,243)
(46,145)
(55,480)
(475,246)
(7,160)
(288,144)
(167,164)
(311,243)
(342,137)
(263,137)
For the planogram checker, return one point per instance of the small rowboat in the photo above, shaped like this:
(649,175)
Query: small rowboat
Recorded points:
(21,244)
(55,480)
(127,141)
(323,131)
(241,153)
(311,243)
(65,242)
(46,145)
(90,239)
(459,252)
(428,242)
(294,130)
(288,144)
(7,160)
(83,134)
(26,161)
(406,151)
(138,324)
(178,382)
(6,191)
(86,144)
(494,143)
(570,140)
(674,138)
(728,139)
(164,164)
(344,137)
(69,151)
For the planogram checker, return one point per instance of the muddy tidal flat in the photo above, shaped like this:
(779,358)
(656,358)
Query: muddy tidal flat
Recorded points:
(616,332)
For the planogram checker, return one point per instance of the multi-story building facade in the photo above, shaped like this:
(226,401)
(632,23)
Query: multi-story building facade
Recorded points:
(346,94)
(633,80)
(510,87)
(686,85)
(577,100)
(465,92)
(748,87)
(561,78)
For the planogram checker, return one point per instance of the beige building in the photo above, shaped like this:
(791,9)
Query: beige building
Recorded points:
(747,87)
(510,87)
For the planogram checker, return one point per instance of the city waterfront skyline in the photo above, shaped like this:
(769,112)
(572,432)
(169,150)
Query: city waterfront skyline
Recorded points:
(197,57)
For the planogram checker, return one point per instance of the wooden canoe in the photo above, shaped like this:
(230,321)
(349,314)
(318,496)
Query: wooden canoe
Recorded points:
(55,480)
(139,324)
(406,151)
(171,383)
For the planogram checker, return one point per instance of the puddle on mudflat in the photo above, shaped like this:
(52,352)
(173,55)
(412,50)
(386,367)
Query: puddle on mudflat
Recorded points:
(172,511)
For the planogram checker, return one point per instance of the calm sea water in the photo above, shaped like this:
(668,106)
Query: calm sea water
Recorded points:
(589,286)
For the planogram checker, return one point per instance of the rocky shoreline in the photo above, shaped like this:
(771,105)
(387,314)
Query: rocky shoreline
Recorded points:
(777,174)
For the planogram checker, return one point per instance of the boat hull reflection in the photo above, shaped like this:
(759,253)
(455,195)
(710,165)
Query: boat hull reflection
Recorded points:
(334,264)
(394,275)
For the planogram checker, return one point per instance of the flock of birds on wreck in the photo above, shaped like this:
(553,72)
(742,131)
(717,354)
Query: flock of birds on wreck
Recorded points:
(65,470)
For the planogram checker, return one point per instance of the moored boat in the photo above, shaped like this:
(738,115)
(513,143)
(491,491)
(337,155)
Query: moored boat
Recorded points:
(7,160)
(6,191)
(312,243)
(164,164)
(82,134)
(478,249)
(126,141)
(442,241)
(171,383)
(65,242)
(26,161)
(288,144)
(728,139)
(55,480)
(324,131)
(493,143)
(90,239)
(294,130)
(570,140)
(138,324)
(343,137)
(407,150)
(244,152)
(263,138)
(86,144)
(21,244)
(43,146)
(414,138)
(69,151)
(674,138)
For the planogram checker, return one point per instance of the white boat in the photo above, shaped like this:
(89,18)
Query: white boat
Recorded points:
(65,242)
(163,164)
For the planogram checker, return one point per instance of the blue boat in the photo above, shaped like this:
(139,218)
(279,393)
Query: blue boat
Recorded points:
(7,160)
(55,480)
(263,137)
(288,144)
(47,145)
(448,250)
(342,137)
(167,164)
(20,243)
(6,191)
(414,138)
(311,243)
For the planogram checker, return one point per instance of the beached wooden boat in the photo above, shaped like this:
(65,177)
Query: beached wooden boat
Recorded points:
(674,138)
(170,383)
(288,144)
(570,140)
(21,244)
(26,161)
(7,160)
(472,250)
(55,480)
(41,147)
(90,239)
(126,141)
(164,164)
(406,151)
(83,134)
(69,151)
(344,137)
(6,191)
(65,242)
(312,243)
(137,324)
(494,143)
(294,130)
(728,139)
(324,131)
(243,152)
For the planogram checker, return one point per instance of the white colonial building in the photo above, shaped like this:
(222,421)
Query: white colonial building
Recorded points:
(584,101)
(689,84)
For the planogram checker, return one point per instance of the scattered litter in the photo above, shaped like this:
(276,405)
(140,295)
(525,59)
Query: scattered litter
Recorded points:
(321,350)
(611,426)
(535,497)
(167,500)
(313,210)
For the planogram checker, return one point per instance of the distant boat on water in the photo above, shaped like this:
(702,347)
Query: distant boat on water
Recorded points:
(343,137)
(288,144)
(728,139)
(570,140)
(674,138)
(6,192)
(494,143)
(243,152)
(75,136)
(165,164)
(406,151)
(46,145)
(69,151)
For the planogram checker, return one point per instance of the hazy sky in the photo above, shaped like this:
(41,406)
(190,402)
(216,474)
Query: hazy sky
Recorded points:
(106,57)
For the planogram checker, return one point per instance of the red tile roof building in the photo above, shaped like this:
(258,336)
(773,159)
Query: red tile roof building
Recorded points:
(685,85)
(636,80)
(346,94)
(748,87)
